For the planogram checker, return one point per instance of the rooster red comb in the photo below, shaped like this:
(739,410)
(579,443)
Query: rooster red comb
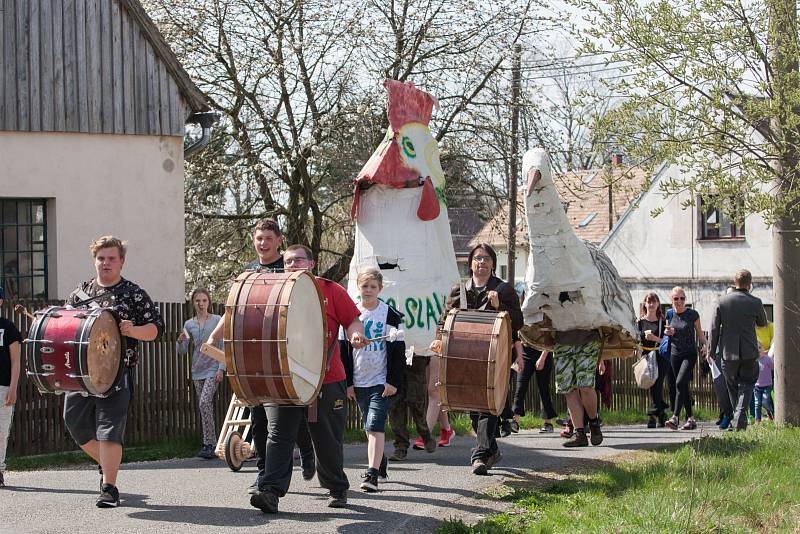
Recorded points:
(408,104)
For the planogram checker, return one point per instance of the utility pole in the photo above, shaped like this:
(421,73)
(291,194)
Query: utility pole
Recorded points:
(513,175)
(783,46)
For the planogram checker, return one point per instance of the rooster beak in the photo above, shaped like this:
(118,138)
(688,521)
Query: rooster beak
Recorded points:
(534,175)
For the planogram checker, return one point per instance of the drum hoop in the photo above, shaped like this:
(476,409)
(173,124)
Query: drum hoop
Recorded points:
(228,333)
(272,323)
(491,365)
(283,323)
(36,348)
(448,325)
(87,325)
(283,318)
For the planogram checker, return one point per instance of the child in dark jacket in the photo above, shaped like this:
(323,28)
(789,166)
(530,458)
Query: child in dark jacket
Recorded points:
(375,372)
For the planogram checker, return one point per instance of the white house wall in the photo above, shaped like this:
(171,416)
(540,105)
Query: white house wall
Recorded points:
(663,252)
(125,185)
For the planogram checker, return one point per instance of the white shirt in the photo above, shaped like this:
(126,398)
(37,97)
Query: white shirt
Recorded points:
(369,363)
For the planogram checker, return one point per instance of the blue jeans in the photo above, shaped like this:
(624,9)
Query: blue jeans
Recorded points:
(763,397)
(374,407)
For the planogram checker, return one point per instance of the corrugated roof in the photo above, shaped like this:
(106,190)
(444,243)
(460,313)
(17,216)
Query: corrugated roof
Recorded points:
(581,197)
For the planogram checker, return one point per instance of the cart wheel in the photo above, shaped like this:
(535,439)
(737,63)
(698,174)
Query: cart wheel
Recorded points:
(236,451)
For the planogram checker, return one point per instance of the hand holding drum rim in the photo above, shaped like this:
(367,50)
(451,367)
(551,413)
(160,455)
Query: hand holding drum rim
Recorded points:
(126,327)
(436,346)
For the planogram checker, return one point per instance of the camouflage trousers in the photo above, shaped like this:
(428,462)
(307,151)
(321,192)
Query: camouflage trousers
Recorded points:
(575,366)
(411,398)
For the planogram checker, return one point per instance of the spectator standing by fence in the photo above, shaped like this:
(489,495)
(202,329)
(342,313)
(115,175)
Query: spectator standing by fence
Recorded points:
(10,340)
(206,372)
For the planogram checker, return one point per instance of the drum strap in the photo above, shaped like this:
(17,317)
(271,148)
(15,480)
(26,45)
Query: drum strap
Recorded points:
(84,297)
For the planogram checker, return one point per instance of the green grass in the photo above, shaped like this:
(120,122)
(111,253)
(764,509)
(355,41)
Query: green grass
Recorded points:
(737,482)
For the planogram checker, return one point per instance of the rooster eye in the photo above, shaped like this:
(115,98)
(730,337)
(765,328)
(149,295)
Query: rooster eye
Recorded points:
(408,147)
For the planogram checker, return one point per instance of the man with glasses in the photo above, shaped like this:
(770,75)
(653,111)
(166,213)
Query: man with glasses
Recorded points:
(484,291)
(734,328)
(327,432)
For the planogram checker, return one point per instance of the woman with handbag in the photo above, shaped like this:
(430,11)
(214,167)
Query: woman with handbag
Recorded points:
(651,331)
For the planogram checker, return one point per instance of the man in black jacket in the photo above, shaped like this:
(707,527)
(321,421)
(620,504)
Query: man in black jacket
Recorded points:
(734,328)
(483,291)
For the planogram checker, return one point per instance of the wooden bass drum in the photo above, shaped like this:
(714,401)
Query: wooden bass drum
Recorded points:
(475,362)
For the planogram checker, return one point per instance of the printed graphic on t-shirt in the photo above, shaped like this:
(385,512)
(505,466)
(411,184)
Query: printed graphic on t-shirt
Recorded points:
(369,363)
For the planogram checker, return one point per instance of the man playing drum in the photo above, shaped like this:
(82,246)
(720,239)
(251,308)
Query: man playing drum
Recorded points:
(327,432)
(483,291)
(97,424)
(267,240)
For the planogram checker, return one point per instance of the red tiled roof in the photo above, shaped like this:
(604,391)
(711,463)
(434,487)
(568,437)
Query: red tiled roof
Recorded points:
(585,195)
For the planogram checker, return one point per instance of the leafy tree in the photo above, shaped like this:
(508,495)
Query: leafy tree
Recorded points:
(713,86)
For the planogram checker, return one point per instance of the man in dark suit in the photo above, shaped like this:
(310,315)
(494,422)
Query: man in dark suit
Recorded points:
(734,328)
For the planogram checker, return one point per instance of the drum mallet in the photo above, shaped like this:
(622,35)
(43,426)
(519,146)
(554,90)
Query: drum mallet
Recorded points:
(19,308)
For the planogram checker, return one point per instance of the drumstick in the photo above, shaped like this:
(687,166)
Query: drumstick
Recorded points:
(213,352)
(19,308)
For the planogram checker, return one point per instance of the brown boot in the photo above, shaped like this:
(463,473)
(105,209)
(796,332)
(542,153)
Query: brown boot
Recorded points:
(579,439)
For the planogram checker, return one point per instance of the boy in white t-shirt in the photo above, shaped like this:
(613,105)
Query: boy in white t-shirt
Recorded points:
(374,372)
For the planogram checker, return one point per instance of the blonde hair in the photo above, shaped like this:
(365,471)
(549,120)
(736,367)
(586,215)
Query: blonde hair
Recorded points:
(677,289)
(108,241)
(370,273)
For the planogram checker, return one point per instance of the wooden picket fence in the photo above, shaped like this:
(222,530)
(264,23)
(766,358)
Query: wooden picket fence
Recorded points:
(164,405)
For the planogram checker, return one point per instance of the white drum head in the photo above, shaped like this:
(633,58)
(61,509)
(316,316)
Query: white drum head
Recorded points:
(306,324)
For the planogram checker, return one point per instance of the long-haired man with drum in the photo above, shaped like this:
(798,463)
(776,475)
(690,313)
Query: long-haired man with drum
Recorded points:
(97,423)
(327,432)
(483,291)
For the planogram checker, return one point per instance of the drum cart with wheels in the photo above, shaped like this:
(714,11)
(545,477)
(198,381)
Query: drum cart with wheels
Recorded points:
(235,438)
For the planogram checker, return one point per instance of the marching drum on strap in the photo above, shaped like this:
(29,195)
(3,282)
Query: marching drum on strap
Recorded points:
(275,338)
(475,361)
(76,350)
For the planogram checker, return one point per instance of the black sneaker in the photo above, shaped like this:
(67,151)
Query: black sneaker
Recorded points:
(109,497)
(369,481)
(337,499)
(547,428)
(207,452)
(651,422)
(266,501)
(383,470)
(595,434)
(578,439)
(515,426)
(310,470)
(399,455)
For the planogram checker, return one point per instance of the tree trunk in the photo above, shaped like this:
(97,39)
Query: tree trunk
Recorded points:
(786,233)
(786,285)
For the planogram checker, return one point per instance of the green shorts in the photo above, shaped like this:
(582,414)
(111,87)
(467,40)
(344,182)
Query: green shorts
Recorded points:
(576,365)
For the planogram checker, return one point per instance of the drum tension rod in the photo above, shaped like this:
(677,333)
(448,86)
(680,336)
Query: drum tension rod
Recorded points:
(31,373)
(76,342)
(55,315)
(28,340)
(255,340)
(460,358)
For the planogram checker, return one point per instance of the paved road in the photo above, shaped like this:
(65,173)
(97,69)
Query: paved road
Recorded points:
(202,496)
